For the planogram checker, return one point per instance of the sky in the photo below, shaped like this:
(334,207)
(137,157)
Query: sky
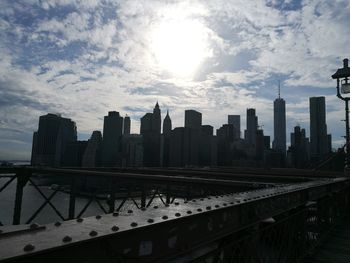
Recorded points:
(84,58)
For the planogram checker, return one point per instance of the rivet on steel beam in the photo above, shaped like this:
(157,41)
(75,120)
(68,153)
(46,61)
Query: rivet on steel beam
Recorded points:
(199,210)
(58,223)
(208,208)
(28,248)
(231,203)
(202,199)
(224,204)
(189,212)
(67,239)
(115,214)
(209,198)
(164,217)
(93,233)
(185,202)
(98,217)
(79,220)
(167,205)
(177,214)
(155,207)
(194,200)
(115,228)
(150,220)
(133,224)
(143,208)
(176,203)
(129,211)
(34,226)
(217,206)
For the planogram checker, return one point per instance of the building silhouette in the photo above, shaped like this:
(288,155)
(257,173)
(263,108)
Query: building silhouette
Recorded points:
(279,124)
(320,144)
(252,127)
(225,138)
(193,124)
(193,119)
(92,154)
(49,142)
(150,130)
(126,126)
(235,120)
(298,152)
(166,140)
(132,145)
(206,145)
(112,136)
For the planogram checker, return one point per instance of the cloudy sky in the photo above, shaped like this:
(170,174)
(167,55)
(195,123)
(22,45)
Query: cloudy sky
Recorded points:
(84,58)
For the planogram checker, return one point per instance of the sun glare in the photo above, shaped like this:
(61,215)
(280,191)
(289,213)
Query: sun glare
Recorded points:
(179,46)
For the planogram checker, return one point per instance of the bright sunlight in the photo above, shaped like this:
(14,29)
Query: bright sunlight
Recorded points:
(179,46)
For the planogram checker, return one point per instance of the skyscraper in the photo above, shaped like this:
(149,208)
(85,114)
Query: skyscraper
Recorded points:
(279,127)
(151,134)
(51,138)
(91,157)
(235,120)
(126,125)
(167,124)
(193,119)
(299,148)
(112,135)
(319,141)
(252,127)
(193,124)
(166,140)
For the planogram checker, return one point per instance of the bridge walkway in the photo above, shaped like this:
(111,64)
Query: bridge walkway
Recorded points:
(335,248)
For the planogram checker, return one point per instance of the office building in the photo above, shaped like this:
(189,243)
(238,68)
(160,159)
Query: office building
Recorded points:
(235,120)
(126,126)
(51,138)
(151,133)
(252,126)
(279,127)
(193,119)
(319,141)
(112,135)
(92,154)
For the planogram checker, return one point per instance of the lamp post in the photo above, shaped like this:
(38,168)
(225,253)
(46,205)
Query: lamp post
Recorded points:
(343,87)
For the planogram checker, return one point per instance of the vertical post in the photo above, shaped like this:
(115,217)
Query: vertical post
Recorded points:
(22,178)
(168,197)
(72,195)
(143,197)
(111,200)
(347,157)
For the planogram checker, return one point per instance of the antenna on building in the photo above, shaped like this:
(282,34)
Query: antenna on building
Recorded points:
(279,89)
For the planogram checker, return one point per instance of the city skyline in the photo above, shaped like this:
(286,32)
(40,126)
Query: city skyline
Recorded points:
(83,59)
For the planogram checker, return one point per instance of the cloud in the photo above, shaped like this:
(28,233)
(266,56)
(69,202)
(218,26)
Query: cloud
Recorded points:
(85,58)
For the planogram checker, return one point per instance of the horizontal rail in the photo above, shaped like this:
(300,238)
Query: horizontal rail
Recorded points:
(137,177)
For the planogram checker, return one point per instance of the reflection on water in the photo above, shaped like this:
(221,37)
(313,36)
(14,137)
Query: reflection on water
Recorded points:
(32,200)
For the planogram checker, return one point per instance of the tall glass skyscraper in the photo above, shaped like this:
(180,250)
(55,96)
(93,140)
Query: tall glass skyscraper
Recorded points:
(279,125)
(319,141)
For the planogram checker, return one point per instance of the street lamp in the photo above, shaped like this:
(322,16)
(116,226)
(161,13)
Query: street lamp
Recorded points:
(343,87)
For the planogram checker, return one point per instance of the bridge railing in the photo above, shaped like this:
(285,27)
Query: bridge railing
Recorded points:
(269,224)
(110,191)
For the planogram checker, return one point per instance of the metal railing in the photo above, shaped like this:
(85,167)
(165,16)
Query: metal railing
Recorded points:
(269,223)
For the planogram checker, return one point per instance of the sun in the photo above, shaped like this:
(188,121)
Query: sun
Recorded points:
(179,46)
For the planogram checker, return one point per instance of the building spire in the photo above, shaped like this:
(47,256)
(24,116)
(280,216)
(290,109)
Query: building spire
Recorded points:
(279,89)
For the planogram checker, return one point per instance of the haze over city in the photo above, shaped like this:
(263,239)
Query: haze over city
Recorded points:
(84,58)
